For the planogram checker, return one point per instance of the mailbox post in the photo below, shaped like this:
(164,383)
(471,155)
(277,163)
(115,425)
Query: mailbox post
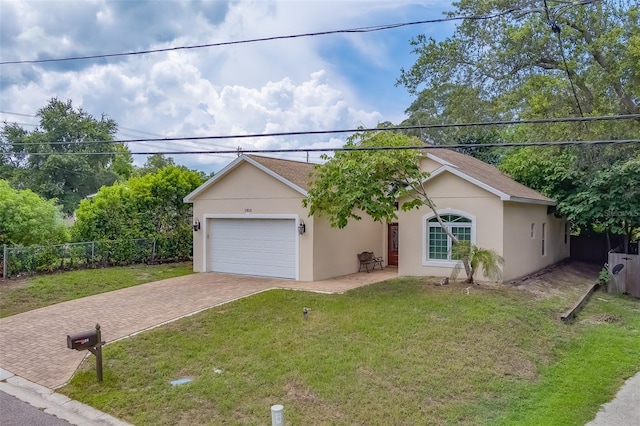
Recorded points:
(91,341)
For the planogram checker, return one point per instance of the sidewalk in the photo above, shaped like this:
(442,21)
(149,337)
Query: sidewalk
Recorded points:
(624,409)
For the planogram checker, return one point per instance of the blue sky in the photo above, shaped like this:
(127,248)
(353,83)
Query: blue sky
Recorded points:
(313,83)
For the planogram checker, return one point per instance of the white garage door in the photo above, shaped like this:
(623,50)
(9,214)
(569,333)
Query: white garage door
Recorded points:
(262,247)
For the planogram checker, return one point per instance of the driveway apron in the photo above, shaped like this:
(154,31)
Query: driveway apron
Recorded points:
(33,344)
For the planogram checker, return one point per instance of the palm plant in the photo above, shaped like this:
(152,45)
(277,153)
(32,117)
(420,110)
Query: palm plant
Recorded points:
(471,257)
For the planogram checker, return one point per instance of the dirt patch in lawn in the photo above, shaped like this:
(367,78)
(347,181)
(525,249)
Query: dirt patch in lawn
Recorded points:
(297,391)
(20,281)
(567,280)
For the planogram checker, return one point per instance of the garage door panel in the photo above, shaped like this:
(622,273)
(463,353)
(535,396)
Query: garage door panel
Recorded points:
(264,247)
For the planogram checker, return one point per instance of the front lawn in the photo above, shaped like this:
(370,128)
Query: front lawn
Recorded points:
(398,352)
(23,295)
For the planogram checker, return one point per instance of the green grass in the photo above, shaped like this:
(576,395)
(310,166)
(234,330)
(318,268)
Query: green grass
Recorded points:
(18,296)
(398,352)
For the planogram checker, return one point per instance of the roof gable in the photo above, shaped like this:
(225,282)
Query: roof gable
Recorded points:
(294,174)
(486,176)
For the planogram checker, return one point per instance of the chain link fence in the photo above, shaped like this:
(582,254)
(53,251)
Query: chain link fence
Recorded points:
(92,254)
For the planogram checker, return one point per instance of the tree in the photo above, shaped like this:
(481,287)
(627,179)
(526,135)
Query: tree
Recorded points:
(58,159)
(537,60)
(599,193)
(530,62)
(357,181)
(27,219)
(142,207)
(476,257)
(155,163)
(610,202)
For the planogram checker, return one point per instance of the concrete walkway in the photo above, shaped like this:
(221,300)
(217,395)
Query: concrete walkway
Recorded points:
(33,345)
(624,409)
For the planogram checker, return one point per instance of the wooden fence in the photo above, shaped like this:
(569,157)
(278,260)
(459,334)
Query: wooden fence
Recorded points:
(626,273)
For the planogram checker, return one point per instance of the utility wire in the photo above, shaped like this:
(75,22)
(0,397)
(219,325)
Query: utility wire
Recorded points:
(555,28)
(17,113)
(314,34)
(6,123)
(240,151)
(381,129)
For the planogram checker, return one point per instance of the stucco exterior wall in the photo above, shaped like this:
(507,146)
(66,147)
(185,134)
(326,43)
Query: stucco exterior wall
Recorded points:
(250,192)
(523,252)
(429,165)
(323,252)
(335,250)
(452,195)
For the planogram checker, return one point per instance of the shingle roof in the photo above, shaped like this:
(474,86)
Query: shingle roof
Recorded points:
(488,175)
(300,174)
(295,172)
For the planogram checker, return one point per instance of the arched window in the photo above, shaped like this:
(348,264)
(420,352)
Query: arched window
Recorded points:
(437,244)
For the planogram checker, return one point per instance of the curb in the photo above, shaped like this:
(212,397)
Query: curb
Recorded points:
(54,403)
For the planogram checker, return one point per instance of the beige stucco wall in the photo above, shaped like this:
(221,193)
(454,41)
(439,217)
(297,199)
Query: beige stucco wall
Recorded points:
(335,250)
(523,254)
(252,193)
(429,165)
(324,252)
(451,194)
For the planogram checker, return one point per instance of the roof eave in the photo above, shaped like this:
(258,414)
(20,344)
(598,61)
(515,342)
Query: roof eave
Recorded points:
(532,201)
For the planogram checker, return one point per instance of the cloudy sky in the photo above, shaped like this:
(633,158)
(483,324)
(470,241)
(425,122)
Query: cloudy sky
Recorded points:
(313,83)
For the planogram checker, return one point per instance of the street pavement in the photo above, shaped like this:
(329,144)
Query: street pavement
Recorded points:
(14,412)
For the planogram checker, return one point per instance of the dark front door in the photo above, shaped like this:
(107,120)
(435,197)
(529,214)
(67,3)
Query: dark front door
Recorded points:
(392,243)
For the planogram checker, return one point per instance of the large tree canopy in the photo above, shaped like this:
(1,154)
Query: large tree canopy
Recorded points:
(518,65)
(537,59)
(369,181)
(26,218)
(604,199)
(52,160)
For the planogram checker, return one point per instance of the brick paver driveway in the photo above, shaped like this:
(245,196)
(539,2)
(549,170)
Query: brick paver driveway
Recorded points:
(33,344)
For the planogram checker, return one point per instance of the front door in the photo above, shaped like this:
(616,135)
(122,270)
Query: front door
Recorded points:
(392,243)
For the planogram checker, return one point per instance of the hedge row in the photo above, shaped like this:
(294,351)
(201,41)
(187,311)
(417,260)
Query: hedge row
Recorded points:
(92,254)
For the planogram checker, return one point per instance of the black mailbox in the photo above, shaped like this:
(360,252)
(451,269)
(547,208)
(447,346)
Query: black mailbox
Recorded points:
(85,340)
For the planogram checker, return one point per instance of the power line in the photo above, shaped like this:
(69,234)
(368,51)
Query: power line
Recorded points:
(19,124)
(292,36)
(382,148)
(555,28)
(322,132)
(17,113)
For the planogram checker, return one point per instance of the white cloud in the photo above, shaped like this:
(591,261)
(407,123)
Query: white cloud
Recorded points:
(278,86)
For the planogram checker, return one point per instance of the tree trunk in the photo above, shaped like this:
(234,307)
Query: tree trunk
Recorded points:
(467,267)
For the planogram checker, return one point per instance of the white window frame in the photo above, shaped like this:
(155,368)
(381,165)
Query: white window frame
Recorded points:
(425,235)
(544,239)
